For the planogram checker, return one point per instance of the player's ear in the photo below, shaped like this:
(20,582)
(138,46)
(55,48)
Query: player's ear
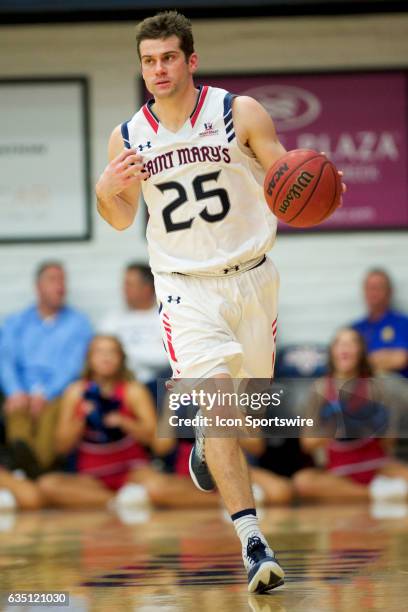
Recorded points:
(193,62)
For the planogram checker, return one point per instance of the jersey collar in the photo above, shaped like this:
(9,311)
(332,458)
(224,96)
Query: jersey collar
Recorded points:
(153,120)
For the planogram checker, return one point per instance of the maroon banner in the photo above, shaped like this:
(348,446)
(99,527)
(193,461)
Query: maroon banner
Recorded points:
(358,119)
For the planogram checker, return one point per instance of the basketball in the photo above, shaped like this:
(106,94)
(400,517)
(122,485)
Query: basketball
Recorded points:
(303,188)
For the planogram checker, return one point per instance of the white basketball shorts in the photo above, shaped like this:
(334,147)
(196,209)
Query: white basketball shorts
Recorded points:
(220,324)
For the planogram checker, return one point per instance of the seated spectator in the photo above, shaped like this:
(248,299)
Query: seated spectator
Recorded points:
(353,410)
(42,351)
(109,420)
(277,460)
(138,326)
(18,491)
(384,330)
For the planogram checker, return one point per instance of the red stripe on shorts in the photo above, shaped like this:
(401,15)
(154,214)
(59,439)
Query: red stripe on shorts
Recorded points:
(167,327)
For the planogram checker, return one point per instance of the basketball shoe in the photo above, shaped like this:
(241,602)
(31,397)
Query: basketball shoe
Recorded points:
(264,571)
(199,472)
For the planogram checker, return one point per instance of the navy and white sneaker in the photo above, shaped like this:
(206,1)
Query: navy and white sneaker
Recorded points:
(264,571)
(199,472)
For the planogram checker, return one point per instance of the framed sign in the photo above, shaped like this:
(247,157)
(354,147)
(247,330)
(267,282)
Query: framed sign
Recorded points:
(359,119)
(44,160)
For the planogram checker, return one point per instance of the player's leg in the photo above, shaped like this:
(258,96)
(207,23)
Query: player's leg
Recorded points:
(219,461)
(257,293)
(197,318)
(315,484)
(227,462)
(74,491)
(229,470)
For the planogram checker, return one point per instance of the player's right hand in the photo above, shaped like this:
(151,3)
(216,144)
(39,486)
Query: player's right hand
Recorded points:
(122,172)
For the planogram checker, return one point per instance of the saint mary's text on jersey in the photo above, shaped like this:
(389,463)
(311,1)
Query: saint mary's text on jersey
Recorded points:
(187,155)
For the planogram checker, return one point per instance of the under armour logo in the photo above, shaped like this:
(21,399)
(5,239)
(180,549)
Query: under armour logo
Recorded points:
(148,145)
(170,299)
(226,270)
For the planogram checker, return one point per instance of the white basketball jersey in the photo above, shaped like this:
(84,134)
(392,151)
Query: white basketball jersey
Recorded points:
(204,195)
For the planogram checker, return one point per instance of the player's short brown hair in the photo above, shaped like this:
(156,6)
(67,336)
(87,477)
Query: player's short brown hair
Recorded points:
(166,24)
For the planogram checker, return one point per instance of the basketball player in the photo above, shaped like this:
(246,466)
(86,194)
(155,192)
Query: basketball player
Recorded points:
(200,155)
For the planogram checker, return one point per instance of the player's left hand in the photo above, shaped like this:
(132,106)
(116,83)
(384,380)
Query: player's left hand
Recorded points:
(343,185)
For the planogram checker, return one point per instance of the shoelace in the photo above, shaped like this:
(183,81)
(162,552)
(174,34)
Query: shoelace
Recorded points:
(255,549)
(200,447)
(200,443)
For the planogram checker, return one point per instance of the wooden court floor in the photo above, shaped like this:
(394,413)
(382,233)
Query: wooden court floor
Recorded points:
(335,558)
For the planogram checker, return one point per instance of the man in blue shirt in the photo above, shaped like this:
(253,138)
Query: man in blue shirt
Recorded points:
(384,330)
(42,351)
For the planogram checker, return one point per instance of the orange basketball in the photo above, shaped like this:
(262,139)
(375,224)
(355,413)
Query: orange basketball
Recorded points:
(303,188)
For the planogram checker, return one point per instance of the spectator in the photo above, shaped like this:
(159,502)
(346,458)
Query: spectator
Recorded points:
(42,351)
(277,460)
(17,491)
(384,330)
(138,325)
(110,420)
(358,464)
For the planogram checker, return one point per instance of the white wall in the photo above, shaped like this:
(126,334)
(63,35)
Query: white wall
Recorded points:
(320,274)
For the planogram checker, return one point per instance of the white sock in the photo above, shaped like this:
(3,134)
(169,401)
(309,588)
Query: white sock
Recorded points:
(247,526)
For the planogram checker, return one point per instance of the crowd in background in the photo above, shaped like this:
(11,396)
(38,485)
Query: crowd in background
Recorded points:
(79,408)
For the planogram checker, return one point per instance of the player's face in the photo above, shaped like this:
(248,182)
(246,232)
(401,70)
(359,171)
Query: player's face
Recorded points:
(377,292)
(105,358)
(165,69)
(51,287)
(346,352)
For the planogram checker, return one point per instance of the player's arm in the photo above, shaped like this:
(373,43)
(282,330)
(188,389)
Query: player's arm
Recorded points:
(255,129)
(118,187)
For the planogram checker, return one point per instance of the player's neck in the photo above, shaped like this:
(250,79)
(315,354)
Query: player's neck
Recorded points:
(174,111)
